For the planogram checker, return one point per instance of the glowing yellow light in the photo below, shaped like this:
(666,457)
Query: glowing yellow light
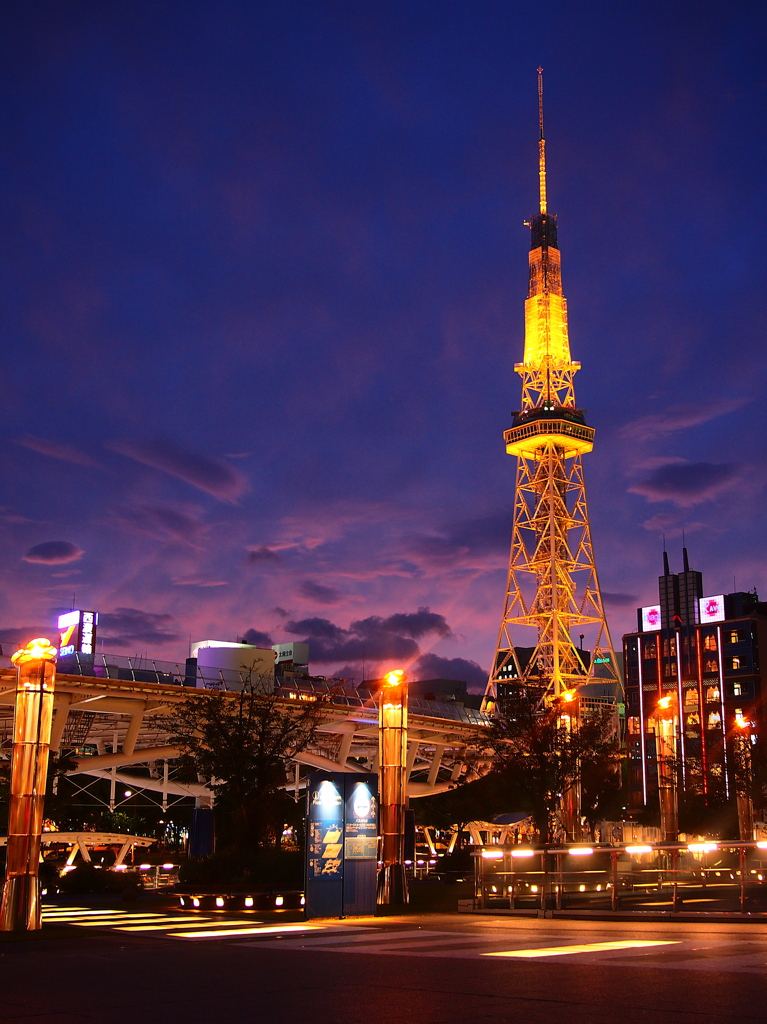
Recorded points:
(248,901)
(523,852)
(741,722)
(492,854)
(664,703)
(36,650)
(395,677)
(580,851)
(567,695)
(245,931)
(638,849)
(587,947)
(702,847)
(761,845)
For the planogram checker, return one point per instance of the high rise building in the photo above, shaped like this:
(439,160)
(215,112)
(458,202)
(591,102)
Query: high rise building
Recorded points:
(552,584)
(707,653)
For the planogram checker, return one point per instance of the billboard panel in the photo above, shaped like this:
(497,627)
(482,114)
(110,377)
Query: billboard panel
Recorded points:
(712,608)
(77,632)
(651,618)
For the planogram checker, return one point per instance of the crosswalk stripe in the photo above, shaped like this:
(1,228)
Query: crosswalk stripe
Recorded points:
(113,922)
(62,914)
(171,923)
(225,933)
(586,947)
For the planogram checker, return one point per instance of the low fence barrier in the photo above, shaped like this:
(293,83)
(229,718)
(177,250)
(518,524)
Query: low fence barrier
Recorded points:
(712,876)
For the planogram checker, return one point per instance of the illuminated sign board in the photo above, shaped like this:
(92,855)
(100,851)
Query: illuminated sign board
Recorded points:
(77,631)
(651,618)
(712,608)
(361,823)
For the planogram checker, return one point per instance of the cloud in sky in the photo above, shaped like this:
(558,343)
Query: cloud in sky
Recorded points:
(318,592)
(261,554)
(671,524)
(125,627)
(58,450)
(688,483)
(53,552)
(214,476)
(163,522)
(680,417)
(257,638)
(432,666)
(371,639)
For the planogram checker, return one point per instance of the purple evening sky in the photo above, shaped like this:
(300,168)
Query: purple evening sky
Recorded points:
(263,274)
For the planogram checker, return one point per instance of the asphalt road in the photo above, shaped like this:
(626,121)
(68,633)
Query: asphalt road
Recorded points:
(170,968)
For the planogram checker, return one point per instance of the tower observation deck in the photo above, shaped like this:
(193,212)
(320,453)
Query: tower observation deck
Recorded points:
(552,584)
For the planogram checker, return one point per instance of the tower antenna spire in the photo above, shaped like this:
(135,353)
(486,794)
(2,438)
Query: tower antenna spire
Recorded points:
(541,145)
(552,583)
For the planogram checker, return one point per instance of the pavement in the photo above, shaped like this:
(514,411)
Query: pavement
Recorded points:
(133,965)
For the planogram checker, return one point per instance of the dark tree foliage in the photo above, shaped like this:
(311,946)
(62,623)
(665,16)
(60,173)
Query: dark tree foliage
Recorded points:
(242,745)
(480,800)
(532,745)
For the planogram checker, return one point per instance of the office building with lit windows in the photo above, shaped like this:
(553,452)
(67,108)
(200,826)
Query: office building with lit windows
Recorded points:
(708,653)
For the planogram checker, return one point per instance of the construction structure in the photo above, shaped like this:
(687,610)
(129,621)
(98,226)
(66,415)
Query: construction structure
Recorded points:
(112,719)
(552,583)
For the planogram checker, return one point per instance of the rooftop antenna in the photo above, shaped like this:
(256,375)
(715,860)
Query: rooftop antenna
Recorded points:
(541,144)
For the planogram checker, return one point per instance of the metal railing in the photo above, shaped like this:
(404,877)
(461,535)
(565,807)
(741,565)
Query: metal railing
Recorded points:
(664,878)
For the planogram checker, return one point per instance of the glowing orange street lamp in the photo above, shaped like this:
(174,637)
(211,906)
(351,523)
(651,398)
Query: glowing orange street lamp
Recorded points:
(570,802)
(665,718)
(743,777)
(392,751)
(36,675)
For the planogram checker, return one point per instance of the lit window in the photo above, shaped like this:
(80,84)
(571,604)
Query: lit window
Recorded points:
(736,690)
(734,637)
(736,663)
(709,642)
(710,665)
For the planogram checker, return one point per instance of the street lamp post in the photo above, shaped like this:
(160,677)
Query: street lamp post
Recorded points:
(36,675)
(392,750)
(743,778)
(570,801)
(665,744)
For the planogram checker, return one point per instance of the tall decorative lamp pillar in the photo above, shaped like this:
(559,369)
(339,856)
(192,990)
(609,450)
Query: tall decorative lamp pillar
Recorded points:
(744,777)
(36,675)
(665,719)
(392,751)
(570,805)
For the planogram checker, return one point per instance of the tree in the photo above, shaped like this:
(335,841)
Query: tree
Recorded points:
(241,744)
(532,742)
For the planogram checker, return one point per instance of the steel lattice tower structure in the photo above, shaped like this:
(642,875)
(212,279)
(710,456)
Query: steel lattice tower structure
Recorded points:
(552,583)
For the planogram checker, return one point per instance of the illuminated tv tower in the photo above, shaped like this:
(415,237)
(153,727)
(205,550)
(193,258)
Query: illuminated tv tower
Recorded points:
(552,583)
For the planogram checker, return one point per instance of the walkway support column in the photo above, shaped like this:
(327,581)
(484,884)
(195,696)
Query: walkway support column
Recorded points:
(666,757)
(35,680)
(392,748)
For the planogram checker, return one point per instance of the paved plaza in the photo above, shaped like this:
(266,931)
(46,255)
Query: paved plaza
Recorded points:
(130,966)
